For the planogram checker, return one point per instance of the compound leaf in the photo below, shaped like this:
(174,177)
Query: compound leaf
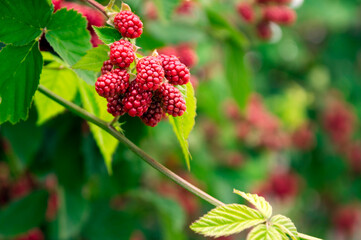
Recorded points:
(286,225)
(22,21)
(107,34)
(259,202)
(94,58)
(62,81)
(226,220)
(20,72)
(264,232)
(183,125)
(23,214)
(96,105)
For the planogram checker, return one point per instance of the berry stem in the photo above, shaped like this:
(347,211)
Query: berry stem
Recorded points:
(134,148)
(121,138)
(114,121)
(98,6)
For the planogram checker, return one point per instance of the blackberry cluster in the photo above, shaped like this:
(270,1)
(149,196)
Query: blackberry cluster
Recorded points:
(151,93)
(262,13)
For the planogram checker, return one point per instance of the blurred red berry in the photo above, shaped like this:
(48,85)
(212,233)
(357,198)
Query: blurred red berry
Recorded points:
(303,138)
(34,234)
(279,14)
(57,4)
(94,17)
(353,154)
(339,121)
(137,235)
(284,185)
(52,208)
(22,186)
(245,11)
(187,55)
(264,30)
(185,8)
(347,219)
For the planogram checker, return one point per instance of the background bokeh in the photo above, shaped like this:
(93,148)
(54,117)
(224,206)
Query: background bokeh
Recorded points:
(278,118)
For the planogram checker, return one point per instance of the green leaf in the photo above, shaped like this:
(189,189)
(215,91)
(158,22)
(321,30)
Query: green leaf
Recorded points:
(22,21)
(183,125)
(107,34)
(107,224)
(171,214)
(175,33)
(72,215)
(68,35)
(166,8)
(60,80)
(263,232)
(221,25)
(286,225)
(259,202)
(94,59)
(237,73)
(97,105)
(226,220)
(23,214)
(20,72)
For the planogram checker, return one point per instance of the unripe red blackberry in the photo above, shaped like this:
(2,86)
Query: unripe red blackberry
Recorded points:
(136,101)
(115,105)
(155,112)
(113,83)
(107,67)
(264,30)
(246,12)
(176,72)
(122,53)
(150,73)
(128,24)
(172,99)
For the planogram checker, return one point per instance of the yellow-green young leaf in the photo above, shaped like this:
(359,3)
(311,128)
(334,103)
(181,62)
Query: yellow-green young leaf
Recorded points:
(94,58)
(97,105)
(60,80)
(226,220)
(264,232)
(259,202)
(281,232)
(183,125)
(286,225)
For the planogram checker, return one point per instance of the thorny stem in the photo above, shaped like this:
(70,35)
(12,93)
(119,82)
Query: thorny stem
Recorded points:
(98,6)
(121,138)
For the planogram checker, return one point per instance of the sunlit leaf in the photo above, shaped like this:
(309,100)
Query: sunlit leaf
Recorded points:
(259,202)
(226,220)
(183,125)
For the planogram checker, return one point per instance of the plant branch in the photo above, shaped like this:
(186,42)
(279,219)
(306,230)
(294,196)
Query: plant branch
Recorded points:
(121,138)
(134,148)
(304,236)
(98,6)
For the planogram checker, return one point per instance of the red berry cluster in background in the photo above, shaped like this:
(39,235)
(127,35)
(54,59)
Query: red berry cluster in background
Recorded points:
(14,188)
(151,94)
(257,127)
(94,17)
(262,13)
